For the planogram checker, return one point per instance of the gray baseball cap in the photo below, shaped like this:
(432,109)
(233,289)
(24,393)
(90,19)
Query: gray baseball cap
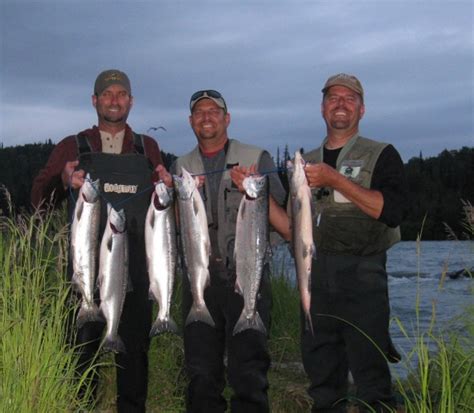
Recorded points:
(214,95)
(343,79)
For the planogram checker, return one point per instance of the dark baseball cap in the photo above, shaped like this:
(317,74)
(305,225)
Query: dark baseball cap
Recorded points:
(343,79)
(111,77)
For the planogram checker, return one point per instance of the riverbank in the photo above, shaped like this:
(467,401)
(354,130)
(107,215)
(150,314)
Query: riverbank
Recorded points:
(38,368)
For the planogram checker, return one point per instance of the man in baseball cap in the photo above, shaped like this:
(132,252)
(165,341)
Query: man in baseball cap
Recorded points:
(111,77)
(117,157)
(360,189)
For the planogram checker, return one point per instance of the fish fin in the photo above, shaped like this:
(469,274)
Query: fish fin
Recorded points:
(308,251)
(242,208)
(113,344)
(76,282)
(195,207)
(199,314)
(152,220)
(255,322)
(109,244)
(79,210)
(86,315)
(98,282)
(297,206)
(166,325)
(308,324)
(238,288)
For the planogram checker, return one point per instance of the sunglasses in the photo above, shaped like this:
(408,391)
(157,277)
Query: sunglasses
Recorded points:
(213,94)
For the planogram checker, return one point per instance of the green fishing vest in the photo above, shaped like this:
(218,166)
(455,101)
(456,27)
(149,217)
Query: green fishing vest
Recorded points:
(228,202)
(339,226)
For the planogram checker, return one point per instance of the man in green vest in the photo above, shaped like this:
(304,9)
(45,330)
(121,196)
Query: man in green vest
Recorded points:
(121,159)
(358,191)
(222,164)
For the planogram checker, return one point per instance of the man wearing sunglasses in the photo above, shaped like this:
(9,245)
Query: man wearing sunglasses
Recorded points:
(356,220)
(224,163)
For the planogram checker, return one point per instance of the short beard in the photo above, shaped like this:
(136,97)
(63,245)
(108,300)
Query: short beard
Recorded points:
(119,120)
(338,124)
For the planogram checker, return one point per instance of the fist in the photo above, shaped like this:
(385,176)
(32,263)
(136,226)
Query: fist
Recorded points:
(72,178)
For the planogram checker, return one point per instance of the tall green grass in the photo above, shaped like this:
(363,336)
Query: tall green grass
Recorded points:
(441,363)
(36,365)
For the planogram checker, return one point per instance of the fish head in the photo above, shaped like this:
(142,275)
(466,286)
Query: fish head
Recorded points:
(163,195)
(116,219)
(90,190)
(298,174)
(185,184)
(255,186)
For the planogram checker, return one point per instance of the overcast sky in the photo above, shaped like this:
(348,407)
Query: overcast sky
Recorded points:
(269,59)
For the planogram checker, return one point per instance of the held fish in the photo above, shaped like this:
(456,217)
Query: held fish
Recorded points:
(113,276)
(196,244)
(251,247)
(302,232)
(161,253)
(84,249)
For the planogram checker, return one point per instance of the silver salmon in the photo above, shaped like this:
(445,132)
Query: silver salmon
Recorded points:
(302,232)
(196,244)
(251,247)
(113,276)
(161,253)
(84,248)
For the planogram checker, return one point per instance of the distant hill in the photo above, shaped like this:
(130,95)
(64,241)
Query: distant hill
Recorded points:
(437,186)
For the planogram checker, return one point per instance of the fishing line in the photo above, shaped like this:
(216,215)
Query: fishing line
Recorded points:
(217,171)
(101,195)
(124,201)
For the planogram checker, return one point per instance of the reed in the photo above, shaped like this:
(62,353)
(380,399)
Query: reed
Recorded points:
(440,369)
(37,367)
(441,363)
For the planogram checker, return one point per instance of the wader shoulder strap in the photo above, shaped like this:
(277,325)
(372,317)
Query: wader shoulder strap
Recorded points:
(83,145)
(138,143)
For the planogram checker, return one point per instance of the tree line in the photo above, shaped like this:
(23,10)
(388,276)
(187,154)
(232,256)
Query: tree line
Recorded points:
(438,187)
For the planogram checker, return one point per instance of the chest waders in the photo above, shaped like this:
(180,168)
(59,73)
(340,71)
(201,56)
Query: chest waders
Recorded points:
(126,182)
(349,293)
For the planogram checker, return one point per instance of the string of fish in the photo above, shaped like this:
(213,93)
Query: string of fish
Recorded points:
(145,190)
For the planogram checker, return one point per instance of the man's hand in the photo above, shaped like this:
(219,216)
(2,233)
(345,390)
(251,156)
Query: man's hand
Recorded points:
(321,175)
(239,173)
(72,178)
(164,175)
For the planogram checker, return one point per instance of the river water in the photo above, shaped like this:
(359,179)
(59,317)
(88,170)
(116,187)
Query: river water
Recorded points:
(417,274)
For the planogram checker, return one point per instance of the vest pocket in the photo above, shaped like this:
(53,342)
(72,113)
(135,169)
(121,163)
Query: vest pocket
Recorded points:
(232,200)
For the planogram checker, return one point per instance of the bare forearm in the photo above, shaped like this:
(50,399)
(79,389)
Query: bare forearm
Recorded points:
(279,219)
(369,201)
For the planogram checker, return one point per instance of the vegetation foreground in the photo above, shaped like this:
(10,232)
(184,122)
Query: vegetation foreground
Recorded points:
(37,367)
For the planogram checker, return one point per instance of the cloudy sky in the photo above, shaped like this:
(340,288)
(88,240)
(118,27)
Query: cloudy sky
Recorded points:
(269,58)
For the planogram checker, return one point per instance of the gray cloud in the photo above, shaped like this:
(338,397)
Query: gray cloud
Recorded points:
(269,59)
